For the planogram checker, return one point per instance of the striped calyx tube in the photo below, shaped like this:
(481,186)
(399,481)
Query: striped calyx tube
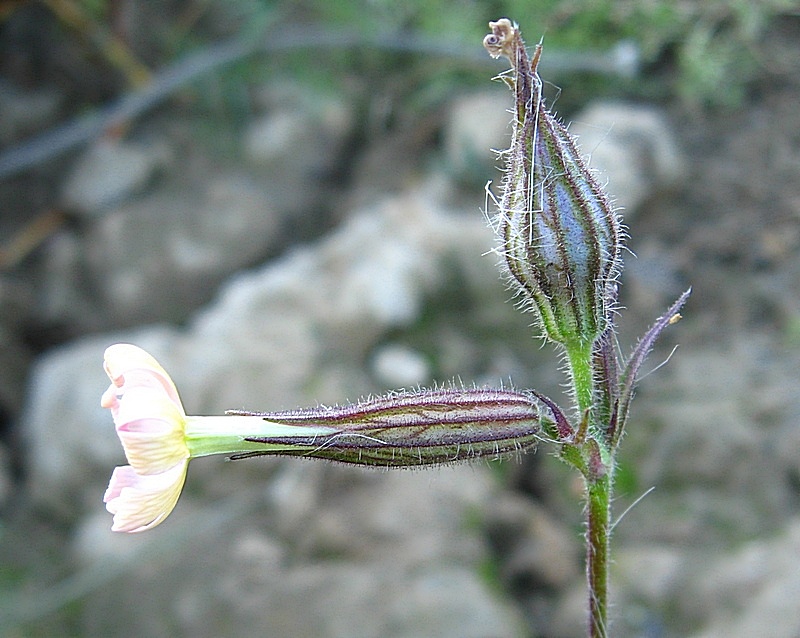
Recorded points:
(423,427)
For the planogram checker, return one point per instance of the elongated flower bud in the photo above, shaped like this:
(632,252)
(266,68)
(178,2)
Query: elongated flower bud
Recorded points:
(560,235)
(413,428)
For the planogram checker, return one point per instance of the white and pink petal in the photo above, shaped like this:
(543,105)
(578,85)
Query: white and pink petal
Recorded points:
(140,502)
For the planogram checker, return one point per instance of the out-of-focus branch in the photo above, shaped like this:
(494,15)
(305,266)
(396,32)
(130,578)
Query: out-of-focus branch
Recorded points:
(112,47)
(23,242)
(623,60)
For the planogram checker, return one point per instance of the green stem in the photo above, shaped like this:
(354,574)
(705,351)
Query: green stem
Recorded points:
(598,473)
(579,357)
(598,521)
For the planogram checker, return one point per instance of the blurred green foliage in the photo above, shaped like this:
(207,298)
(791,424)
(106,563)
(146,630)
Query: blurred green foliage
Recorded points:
(708,47)
(705,52)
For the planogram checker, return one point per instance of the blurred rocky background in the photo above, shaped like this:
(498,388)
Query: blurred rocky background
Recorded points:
(283,202)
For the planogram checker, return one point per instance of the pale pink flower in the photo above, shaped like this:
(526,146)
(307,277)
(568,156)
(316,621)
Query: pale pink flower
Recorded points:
(151,425)
(424,427)
(159,438)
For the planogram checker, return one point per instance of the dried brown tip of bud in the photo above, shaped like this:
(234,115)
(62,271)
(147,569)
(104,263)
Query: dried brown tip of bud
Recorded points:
(502,39)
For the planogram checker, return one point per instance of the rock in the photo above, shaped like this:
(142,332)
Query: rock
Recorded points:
(650,572)
(713,422)
(271,583)
(295,147)
(399,367)
(157,258)
(476,125)
(301,137)
(109,173)
(317,314)
(538,556)
(653,280)
(163,256)
(539,551)
(570,614)
(645,579)
(65,302)
(751,590)
(631,146)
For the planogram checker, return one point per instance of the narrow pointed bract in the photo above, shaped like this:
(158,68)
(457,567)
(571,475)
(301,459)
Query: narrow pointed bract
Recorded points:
(560,237)
(629,376)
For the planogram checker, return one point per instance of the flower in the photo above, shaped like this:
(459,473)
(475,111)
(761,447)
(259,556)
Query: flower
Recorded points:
(424,427)
(151,424)
(139,502)
(159,438)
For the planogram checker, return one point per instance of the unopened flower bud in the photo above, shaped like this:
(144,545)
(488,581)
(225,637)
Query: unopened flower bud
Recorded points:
(413,428)
(560,236)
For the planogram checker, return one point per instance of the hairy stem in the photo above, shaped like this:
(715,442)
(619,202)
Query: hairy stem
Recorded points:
(579,358)
(598,521)
(598,472)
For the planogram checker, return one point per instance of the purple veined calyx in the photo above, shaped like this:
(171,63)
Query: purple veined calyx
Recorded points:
(424,427)
(560,237)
